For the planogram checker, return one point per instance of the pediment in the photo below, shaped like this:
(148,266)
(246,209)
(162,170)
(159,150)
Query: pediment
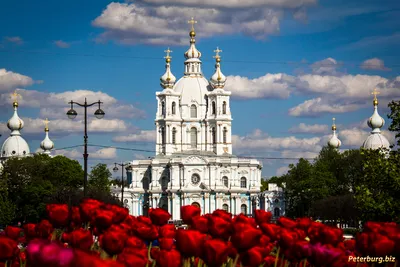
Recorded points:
(243,172)
(194,160)
(225,171)
(195,170)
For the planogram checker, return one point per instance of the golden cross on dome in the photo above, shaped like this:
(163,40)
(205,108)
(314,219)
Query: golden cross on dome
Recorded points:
(46,123)
(333,120)
(192,21)
(375,93)
(167,51)
(16,95)
(217,51)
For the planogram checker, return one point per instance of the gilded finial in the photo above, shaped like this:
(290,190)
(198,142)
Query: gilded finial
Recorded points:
(375,93)
(192,32)
(333,124)
(46,125)
(168,57)
(217,56)
(15,98)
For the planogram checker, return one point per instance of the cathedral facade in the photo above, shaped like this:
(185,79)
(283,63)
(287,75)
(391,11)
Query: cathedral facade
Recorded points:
(194,164)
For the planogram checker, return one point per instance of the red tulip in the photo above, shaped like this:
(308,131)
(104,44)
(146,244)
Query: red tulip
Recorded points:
(159,216)
(13,232)
(270,230)
(8,248)
(58,214)
(44,229)
(262,216)
(246,238)
(113,242)
(286,223)
(383,246)
(189,242)
(223,214)
(76,216)
(135,242)
(219,228)
(304,223)
(167,231)
(215,252)
(30,231)
(200,223)
(166,243)
(146,232)
(254,256)
(133,260)
(169,258)
(188,212)
(82,239)
(87,209)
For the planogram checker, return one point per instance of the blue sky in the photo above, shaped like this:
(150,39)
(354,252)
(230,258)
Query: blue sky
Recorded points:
(291,66)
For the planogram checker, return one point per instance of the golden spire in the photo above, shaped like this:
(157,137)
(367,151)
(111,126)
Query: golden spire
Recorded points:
(192,33)
(168,57)
(46,125)
(333,124)
(15,96)
(217,56)
(375,93)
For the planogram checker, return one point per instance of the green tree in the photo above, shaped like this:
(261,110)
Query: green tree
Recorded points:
(99,178)
(395,117)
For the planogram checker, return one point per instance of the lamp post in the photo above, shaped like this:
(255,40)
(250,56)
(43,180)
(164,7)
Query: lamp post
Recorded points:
(99,113)
(115,169)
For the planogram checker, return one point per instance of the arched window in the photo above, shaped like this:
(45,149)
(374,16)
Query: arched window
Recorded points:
(225,207)
(243,209)
(193,111)
(276,201)
(213,107)
(224,107)
(225,181)
(243,182)
(214,136)
(163,135)
(173,108)
(277,212)
(193,137)
(162,108)
(196,204)
(164,182)
(225,131)
(173,136)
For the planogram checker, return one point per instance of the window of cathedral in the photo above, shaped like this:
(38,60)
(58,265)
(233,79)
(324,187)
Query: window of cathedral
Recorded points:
(173,108)
(195,179)
(276,201)
(173,136)
(225,207)
(225,181)
(163,135)
(243,209)
(243,182)
(13,152)
(213,107)
(277,212)
(224,107)
(163,108)
(214,137)
(196,204)
(24,152)
(225,131)
(193,137)
(193,111)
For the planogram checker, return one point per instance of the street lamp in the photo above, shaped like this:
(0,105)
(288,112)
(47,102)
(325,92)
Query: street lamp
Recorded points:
(115,169)
(99,113)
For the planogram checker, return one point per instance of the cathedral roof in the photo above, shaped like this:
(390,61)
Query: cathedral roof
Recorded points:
(47,145)
(376,140)
(15,145)
(334,142)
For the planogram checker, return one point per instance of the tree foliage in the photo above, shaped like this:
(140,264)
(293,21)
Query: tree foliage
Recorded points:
(99,178)
(395,117)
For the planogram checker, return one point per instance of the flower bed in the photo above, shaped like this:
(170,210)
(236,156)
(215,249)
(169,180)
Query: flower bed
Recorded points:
(100,235)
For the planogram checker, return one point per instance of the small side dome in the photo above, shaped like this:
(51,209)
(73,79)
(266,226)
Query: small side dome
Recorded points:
(334,142)
(46,144)
(168,79)
(218,79)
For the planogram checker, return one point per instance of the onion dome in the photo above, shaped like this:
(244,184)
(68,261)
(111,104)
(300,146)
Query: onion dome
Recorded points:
(46,144)
(334,142)
(15,145)
(218,79)
(168,79)
(192,51)
(376,140)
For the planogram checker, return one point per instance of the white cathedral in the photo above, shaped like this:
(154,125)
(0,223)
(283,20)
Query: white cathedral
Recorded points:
(194,164)
(15,145)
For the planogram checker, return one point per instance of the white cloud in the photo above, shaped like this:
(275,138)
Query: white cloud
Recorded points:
(101,154)
(259,140)
(11,80)
(374,64)
(313,129)
(163,22)
(14,39)
(268,86)
(327,66)
(62,44)
(55,105)
(142,136)
(282,170)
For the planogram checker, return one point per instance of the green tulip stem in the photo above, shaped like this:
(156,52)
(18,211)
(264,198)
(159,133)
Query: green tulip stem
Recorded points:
(304,263)
(154,264)
(283,260)
(277,257)
(200,263)
(235,261)
(148,253)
